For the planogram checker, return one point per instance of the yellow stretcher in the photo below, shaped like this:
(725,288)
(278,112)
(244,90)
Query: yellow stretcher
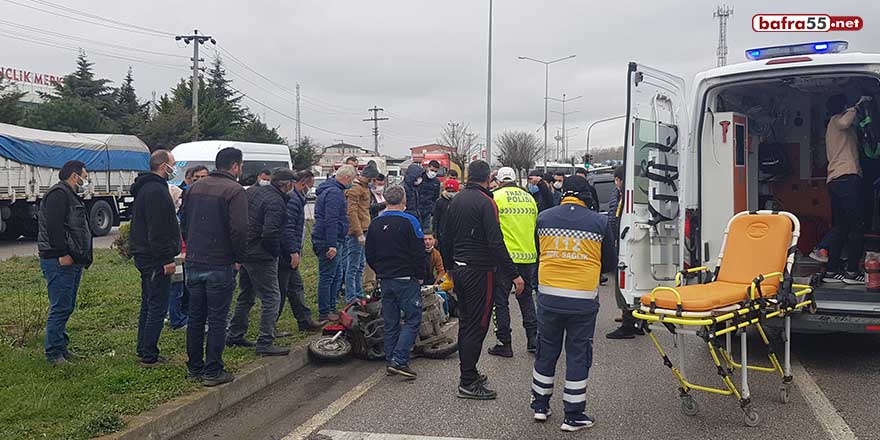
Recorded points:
(751,284)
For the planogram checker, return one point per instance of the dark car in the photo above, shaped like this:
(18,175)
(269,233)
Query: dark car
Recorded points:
(604,184)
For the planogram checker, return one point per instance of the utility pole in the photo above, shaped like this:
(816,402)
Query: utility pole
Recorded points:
(489,95)
(452,138)
(564,114)
(375,119)
(722,13)
(298,127)
(197,41)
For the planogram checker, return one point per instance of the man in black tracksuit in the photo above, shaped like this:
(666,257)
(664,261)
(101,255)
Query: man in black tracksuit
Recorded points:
(472,235)
(155,241)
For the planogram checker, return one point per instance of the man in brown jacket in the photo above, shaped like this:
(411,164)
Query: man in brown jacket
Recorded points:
(358,198)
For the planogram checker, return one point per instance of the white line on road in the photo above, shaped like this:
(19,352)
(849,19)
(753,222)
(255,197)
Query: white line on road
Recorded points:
(343,435)
(826,414)
(335,408)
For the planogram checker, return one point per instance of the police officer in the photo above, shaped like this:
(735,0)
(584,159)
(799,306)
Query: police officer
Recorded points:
(472,235)
(575,247)
(517,212)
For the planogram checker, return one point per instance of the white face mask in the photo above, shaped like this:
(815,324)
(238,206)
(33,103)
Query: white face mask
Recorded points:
(264,183)
(379,189)
(451,194)
(557,185)
(83,184)
(431,174)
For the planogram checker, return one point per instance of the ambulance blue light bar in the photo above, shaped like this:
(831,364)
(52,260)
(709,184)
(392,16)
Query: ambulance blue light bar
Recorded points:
(796,49)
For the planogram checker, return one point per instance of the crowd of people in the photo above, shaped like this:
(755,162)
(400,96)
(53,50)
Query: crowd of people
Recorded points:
(484,239)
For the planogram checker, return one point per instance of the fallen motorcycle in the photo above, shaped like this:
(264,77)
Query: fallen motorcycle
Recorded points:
(360,331)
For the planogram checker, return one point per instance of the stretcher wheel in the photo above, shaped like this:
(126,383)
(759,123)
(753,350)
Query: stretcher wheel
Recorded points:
(689,406)
(784,393)
(751,417)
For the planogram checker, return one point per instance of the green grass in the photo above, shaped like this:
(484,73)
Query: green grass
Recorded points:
(91,396)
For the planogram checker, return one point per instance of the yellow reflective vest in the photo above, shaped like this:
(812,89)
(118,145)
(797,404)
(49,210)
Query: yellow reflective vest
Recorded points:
(518,214)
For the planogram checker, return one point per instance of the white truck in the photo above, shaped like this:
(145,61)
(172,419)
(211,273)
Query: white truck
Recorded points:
(748,136)
(29,163)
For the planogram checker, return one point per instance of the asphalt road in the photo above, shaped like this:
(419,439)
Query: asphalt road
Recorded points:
(25,247)
(631,394)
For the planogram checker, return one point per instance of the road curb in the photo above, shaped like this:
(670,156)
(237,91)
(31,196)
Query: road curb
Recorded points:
(174,417)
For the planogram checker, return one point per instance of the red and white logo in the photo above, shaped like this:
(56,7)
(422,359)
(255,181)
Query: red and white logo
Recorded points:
(805,23)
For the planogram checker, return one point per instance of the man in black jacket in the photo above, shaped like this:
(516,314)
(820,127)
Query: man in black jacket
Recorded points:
(429,192)
(267,214)
(472,235)
(215,214)
(64,242)
(154,241)
(539,190)
(395,250)
(289,279)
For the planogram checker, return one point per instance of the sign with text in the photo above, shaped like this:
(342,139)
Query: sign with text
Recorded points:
(27,77)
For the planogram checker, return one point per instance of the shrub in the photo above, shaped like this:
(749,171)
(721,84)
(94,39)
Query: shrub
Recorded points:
(121,241)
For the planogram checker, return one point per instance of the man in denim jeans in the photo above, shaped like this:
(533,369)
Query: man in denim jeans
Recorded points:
(328,235)
(396,251)
(64,241)
(154,242)
(215,214)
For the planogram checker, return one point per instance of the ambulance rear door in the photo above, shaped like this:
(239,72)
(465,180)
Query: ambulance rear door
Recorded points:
(650,223)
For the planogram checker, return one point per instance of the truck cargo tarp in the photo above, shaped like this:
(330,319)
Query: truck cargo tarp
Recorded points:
(100,152)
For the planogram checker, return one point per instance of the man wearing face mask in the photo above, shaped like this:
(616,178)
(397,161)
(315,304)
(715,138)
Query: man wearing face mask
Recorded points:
(64,242)
(267,215)
(556,186)
(411,182)
(377,196)
(429,192)
(264,178)
(215,216)
(450,189)
(154,241)
(328,236)
(539,190)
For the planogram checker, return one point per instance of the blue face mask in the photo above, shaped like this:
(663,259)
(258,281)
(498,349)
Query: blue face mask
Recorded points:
(533,188)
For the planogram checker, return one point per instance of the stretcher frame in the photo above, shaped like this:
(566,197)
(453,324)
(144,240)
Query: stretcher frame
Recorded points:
(728,321)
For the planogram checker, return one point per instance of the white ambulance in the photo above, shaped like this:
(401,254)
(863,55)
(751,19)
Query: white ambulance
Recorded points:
(748,136)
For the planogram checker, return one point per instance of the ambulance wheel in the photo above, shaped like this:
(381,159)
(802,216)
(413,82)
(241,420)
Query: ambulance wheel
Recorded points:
(751,417)
(689,406)
(784,393)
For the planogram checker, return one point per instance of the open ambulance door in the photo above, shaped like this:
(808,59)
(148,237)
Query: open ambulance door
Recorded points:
(650,222)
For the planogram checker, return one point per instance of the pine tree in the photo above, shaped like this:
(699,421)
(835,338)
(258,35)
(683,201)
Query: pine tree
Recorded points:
(11,110)
(129,113)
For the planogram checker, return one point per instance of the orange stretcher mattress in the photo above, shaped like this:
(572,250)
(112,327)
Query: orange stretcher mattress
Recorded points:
(706,297)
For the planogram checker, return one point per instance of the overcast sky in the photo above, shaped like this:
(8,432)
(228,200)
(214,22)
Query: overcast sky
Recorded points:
(424,61)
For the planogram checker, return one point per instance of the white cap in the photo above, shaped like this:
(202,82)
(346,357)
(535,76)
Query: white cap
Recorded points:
(506,174)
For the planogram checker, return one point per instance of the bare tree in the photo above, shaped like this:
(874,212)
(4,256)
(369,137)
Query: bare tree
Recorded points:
(518,150)
(458,136)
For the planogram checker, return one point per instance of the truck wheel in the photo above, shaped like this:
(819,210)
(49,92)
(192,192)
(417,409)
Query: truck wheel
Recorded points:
(11,233)
(100,218)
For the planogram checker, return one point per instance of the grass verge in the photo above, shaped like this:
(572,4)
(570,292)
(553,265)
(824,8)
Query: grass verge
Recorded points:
(91,396)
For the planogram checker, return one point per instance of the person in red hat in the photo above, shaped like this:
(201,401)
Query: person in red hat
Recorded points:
(450,189)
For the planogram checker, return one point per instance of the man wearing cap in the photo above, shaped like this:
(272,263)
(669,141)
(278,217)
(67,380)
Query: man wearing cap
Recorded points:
(540,191)
(575,246)
(450,189)
(267,215)
(518,213)
(472,235)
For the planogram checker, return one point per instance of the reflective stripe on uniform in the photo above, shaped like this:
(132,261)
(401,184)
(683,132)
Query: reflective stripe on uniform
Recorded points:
(544,379)
(568,293)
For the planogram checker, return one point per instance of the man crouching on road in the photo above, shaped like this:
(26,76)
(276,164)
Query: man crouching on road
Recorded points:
(395,250)
(575,246)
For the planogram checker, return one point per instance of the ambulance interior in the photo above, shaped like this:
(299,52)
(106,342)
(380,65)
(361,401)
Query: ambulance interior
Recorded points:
(763,147)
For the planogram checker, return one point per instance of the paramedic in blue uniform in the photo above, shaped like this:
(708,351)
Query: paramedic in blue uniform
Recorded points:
(575,246)
(472,235)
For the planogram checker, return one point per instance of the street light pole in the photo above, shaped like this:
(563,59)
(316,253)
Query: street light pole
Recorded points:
(596,122)
(546,94)
(489,95)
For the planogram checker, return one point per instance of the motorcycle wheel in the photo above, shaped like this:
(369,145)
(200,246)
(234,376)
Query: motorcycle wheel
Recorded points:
(326,349)
(440,351)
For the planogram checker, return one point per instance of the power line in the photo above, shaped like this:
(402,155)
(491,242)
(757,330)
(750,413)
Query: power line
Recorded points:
(127,29)
(375,120)
(285,115)
(98,17)
(86,40)
(33,40)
